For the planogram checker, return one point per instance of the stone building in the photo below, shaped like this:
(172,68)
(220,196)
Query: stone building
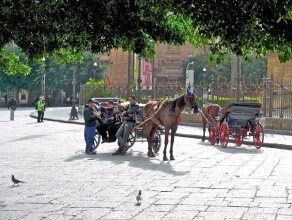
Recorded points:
(122,66)
(281,72)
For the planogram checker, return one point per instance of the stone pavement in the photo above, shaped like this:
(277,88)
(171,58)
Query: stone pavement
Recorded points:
(204,182)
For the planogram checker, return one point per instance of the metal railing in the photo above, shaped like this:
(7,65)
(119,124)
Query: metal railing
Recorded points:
(276,99)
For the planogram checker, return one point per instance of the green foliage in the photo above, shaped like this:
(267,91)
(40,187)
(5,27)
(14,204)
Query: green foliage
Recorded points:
(224,101)
(11,62)
(97,88)
(242,27)
(58,76)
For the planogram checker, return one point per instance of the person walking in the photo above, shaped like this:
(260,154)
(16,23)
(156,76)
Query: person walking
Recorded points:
(41,109)
(129,119)
(91,115)
(12,105)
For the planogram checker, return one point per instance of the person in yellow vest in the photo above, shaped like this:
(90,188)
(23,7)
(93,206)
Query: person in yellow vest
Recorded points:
(41,106)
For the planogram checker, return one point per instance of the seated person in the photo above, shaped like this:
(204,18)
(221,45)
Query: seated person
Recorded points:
(107,123)
(128,123)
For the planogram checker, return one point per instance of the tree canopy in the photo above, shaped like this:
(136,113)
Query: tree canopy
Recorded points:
(243,27)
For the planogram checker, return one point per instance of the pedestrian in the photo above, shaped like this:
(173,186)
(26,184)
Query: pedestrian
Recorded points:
(41,107)
(91,115)
(129,119)
(12,105)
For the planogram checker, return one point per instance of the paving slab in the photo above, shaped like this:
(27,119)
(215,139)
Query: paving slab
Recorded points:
(204,182)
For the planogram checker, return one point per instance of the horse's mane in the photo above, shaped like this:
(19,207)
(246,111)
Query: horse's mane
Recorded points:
(178,102)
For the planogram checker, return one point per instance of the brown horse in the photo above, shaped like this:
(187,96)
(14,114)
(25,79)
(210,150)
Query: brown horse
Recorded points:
(166,115)
(209,113)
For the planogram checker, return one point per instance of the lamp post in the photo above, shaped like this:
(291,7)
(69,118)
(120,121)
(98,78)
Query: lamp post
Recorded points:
(94,71)
(189,75)
(205,93)
(43,80)
(74,113)
(139,80)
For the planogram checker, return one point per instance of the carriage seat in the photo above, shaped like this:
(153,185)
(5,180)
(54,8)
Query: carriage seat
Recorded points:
(240,120)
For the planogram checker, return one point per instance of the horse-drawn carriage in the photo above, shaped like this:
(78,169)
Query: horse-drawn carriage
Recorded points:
(238,120)
(137,134)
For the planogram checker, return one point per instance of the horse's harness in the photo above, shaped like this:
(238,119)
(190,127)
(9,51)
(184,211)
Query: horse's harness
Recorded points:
(204,114)
(160,105)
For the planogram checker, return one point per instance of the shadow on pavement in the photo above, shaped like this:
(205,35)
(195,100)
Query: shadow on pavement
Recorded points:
(233,149)
(137,161)
(26,138)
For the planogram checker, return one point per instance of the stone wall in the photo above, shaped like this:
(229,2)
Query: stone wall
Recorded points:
(278,124)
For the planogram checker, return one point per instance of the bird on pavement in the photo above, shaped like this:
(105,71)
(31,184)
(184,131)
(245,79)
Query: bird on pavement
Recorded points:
(139,198)
(16,181)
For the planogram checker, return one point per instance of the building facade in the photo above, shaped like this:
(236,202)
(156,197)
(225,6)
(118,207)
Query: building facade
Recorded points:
(167,65)
(281,72)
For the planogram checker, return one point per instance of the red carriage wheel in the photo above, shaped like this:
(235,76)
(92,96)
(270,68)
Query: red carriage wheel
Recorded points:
(258,135)
(212,135)
(224,134)
(238,139)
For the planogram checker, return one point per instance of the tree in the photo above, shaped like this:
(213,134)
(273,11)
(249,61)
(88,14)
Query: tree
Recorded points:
(13,61)
(58,76)
(252,70)
(243,27)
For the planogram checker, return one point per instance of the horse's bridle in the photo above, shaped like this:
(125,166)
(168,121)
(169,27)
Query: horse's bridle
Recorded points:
(190,97)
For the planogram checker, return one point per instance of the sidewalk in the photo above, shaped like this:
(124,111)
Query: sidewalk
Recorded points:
(204,182)
(270,140)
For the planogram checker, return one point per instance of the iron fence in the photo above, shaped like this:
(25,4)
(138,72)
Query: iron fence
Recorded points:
(276,99)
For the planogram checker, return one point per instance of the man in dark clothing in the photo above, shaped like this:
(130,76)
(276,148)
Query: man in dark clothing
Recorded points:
(108,121)
(129,119)
(12,105)
(90,118)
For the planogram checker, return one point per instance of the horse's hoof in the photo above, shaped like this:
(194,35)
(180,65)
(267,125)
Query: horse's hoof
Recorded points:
(150,154)
(165,158)
(172,157)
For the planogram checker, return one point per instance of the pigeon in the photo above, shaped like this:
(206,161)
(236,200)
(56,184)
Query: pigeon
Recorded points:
(139,198)
(16,181)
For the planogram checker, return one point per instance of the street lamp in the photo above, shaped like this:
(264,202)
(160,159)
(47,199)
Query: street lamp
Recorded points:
(189,75)
(43,81)
(94,72)
(205,93)
(74,113)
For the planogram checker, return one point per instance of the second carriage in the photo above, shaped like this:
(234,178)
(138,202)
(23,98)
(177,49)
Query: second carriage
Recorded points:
(238,121)
(137,134)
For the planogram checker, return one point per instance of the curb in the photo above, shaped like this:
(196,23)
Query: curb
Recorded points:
(58,120)
(268,145)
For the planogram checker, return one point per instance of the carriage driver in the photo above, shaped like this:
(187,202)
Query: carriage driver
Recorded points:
(128,116)
(192,92)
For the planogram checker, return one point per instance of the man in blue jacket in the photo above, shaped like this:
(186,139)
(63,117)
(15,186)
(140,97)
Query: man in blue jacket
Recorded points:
(90,118)
(129,119)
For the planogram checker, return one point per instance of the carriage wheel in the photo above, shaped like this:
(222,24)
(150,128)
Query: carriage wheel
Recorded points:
(97,139)
(258,135)
(212,135)
(238,139)
(132,139)
(156,142)
(224,134)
